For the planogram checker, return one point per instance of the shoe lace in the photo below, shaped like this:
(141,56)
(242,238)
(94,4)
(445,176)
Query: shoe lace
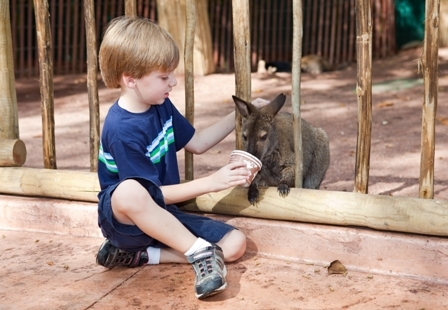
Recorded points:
(206,263)
(205,266)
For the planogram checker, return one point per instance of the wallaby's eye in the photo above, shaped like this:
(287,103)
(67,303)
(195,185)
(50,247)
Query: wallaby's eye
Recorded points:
(244,137)
(263,137)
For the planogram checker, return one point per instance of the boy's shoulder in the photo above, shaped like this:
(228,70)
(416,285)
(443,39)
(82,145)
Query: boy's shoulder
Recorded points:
(117,117)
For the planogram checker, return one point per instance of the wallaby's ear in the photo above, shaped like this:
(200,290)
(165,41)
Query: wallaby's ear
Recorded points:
(245,108)
(275,105)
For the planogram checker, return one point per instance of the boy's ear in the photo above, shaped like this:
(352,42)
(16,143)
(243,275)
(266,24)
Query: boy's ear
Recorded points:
(128,81)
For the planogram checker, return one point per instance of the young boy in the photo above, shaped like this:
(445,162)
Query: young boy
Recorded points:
(138,170)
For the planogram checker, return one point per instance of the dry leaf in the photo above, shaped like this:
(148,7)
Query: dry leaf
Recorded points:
(443,120)
(336,267)
(385,104)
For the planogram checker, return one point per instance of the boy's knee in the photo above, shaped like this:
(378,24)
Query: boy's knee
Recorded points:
(129,197)
(233,245)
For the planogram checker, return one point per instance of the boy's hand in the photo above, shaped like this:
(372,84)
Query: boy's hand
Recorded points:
(230,175)
(260,102)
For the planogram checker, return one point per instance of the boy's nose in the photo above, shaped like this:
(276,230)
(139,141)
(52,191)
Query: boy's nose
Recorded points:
(173,81)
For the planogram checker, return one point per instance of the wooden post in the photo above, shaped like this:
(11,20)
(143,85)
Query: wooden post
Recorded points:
(190,13)
(130,8)
(46,81)
(364,94)
(296,64)
(203,51)
(241,41)
(172,17)
(92,84)
(430,81)
(9,119)
(12,153)
(388,213)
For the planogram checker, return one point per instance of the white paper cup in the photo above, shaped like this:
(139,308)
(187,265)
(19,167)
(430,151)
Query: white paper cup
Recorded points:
(253,164)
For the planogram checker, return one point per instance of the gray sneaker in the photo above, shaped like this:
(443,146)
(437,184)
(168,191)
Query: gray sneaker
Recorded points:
(208,264)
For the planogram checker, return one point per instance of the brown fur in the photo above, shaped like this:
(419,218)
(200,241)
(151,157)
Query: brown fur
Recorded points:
(315,64)
(267,135)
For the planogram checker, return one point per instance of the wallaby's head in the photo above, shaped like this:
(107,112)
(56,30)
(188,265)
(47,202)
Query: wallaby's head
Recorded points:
(258,128)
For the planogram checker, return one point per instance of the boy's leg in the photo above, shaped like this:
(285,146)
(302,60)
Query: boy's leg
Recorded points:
(233,245)
(231,240)
(132,205)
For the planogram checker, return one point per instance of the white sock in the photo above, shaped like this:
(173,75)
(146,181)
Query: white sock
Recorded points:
(153,255)
(198,244)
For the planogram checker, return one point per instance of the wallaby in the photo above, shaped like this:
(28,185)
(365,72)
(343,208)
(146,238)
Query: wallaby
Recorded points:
(311,63)
(316,64)
(266,134)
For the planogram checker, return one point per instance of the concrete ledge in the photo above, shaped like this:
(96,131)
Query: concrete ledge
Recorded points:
(54,216)
(359,249)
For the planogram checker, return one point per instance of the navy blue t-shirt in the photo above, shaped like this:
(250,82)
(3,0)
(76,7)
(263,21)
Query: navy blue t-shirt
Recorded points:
(142,145)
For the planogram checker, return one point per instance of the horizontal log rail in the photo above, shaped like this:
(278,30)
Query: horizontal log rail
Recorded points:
(390,213)
(51,183)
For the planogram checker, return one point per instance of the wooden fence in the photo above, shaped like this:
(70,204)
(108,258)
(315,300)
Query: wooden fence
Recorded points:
(328,30)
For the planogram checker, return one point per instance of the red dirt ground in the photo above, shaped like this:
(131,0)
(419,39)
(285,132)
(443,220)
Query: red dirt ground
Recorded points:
(42,271)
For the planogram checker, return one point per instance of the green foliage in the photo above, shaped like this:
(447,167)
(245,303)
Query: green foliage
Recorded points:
(409,21)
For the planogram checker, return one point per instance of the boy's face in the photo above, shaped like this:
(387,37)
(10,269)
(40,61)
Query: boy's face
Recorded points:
(154,88)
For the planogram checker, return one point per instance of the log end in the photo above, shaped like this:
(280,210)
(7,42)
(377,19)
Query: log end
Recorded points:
(12,153)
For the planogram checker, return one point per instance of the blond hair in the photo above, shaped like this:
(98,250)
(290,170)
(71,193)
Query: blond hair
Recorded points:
(135,47)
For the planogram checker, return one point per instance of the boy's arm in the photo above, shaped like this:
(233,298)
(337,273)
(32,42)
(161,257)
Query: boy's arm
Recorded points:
(207,138)
(185,191)
(228,176)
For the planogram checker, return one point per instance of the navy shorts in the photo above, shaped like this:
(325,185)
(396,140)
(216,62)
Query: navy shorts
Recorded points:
(131,238)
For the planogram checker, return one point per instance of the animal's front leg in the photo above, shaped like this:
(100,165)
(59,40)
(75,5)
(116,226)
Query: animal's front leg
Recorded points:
(253,193)
(283,189)
(288,175)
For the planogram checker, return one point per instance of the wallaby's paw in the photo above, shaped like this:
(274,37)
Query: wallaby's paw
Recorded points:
(283,190)
(252,196)
(253,200)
